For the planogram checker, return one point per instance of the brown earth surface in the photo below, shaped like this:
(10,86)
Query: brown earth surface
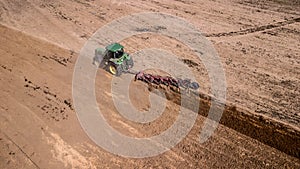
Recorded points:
(258,43)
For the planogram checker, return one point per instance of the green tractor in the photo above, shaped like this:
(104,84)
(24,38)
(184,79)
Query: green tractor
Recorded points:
(115,60)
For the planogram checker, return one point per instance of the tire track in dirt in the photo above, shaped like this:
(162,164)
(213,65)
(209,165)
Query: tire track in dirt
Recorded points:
(254,29)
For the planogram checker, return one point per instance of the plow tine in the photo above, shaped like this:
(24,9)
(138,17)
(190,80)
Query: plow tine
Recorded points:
(165,80)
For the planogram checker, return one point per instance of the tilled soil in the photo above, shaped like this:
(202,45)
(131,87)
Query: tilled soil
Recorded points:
(258,43)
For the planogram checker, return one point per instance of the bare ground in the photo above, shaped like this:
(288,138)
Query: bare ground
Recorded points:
(258,42)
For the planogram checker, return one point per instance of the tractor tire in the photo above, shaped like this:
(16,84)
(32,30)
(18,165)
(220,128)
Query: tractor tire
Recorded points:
(114,69)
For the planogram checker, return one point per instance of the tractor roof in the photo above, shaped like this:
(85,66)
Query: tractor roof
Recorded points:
(114,47)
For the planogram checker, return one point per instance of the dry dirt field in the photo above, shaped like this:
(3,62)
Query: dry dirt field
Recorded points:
(259,46)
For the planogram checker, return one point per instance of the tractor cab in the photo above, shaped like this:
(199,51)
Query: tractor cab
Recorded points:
(115,51)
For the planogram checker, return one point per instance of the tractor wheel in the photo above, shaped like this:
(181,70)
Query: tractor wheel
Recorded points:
(115,69)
